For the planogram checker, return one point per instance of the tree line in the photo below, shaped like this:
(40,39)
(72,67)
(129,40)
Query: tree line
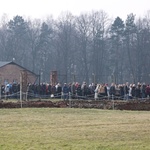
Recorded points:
(90,47)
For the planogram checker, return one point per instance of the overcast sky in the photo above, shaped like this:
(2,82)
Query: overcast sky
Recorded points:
(43,8)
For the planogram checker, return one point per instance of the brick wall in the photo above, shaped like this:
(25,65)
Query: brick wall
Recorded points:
(11,72)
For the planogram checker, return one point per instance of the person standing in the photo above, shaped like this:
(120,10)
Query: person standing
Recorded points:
(7,90)
(84,90)
(65,92)
(112,91)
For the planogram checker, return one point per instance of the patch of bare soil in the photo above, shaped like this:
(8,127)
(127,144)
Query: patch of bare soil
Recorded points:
(99,104)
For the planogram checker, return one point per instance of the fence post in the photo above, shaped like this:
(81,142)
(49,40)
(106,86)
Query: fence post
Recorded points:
(70,99)
(21,89)
(113,101)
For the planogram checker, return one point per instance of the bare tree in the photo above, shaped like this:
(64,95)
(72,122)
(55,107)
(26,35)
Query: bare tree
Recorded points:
(34,37)
(83,28)
(3,38)
(64,31)
(117,31)
(130,36)
(99,25)
(142,51)
(18,40)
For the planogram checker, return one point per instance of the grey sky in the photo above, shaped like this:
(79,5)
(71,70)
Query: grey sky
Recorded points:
(43,8)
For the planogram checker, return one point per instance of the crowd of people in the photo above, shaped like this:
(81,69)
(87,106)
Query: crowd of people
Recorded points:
(76,90)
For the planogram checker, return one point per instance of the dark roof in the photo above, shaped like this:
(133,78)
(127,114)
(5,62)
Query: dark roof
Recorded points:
(3,63)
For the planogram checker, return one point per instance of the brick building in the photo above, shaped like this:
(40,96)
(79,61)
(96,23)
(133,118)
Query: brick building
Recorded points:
(10,72)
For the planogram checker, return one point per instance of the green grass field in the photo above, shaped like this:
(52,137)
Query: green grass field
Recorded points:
(74,129)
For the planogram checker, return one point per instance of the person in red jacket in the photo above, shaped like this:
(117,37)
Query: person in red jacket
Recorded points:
(148,91)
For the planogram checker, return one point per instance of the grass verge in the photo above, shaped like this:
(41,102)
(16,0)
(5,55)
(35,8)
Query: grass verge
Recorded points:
(73,129)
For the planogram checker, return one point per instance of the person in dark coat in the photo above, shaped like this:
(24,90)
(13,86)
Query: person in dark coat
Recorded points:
(138,91)
(65,91)
(79,91)
(112,91)
(84,89)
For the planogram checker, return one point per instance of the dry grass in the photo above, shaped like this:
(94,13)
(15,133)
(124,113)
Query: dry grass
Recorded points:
(73,129)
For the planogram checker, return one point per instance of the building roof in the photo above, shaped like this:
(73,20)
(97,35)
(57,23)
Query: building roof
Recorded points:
(3,63)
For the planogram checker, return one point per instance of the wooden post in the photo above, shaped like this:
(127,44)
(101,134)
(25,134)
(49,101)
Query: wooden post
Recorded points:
(53,77)
(21,89)
(69,99)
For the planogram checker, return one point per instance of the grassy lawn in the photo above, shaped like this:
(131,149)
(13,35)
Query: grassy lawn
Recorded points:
(74,129)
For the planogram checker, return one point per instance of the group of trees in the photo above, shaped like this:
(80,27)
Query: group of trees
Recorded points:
(90,47)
